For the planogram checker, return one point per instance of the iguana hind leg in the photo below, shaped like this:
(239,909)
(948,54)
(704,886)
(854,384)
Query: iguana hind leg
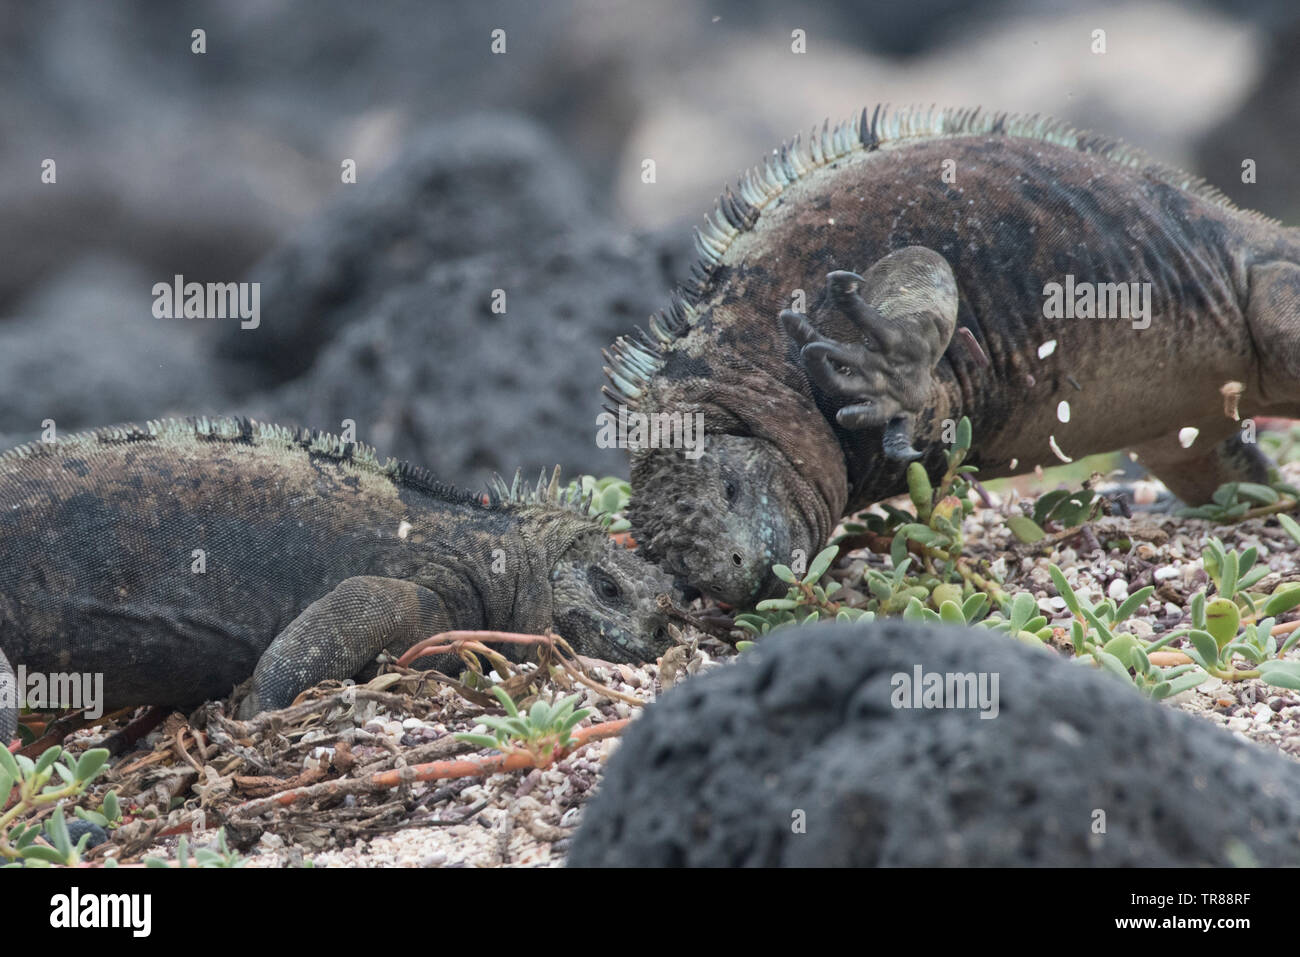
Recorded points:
(1194,473)
(336,635)
(1273,314)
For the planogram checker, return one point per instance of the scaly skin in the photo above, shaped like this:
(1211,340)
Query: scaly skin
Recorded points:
(1032,202)
(316,557)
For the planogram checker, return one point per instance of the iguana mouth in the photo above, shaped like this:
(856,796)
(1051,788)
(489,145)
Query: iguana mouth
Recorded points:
(602,638)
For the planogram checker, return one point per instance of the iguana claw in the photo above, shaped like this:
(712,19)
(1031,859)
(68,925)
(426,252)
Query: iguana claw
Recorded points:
(897,441)
(863,415)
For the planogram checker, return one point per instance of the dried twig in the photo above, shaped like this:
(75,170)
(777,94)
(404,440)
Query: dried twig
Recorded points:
(437,770)
(456,641)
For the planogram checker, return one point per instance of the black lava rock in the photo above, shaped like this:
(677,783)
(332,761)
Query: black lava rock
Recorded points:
(489,183)
(432,374)
(1074,770)
(78,826)
(86,350)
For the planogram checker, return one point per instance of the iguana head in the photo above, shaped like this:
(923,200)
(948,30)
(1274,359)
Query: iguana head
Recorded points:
(767,482)
(605,600)
(721,521)
(764,487)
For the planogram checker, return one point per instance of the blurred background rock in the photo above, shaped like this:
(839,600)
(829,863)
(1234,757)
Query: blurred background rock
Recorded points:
(476,172)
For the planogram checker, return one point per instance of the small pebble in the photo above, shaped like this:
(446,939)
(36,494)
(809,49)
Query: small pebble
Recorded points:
(1144,493)
(1117,589)
(571,817)
(1142,629)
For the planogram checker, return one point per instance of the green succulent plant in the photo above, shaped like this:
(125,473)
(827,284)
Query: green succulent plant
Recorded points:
(220,855)
(1231,635)
(540,732)
(609,498)
(806,600)
(53,778)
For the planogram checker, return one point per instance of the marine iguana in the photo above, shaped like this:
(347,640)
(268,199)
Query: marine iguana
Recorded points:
(181,557)
(1018,207)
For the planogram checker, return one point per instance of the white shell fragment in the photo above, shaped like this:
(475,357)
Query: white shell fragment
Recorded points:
(1063,411)
(1047,348)
(1187,436)
(1056,449)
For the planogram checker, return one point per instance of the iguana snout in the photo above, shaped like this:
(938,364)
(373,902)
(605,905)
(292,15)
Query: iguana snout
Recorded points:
(722,521)
(606,601)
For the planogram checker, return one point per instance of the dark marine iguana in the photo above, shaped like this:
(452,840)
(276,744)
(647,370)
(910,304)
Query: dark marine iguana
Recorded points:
(180,558)
(1017,207)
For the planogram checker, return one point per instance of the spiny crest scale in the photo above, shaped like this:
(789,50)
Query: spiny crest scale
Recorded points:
(546,491)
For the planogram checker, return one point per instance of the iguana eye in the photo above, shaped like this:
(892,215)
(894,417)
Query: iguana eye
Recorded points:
(731,490)
(605,586)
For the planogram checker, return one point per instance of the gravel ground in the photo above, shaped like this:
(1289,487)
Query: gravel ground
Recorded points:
(516,819)
(526,819)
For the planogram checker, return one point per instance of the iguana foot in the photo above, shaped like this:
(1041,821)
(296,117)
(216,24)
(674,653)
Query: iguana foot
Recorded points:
(897,441)
(906,309)
(847,372)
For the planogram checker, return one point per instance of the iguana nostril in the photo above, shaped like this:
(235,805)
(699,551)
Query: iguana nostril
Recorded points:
(737,559)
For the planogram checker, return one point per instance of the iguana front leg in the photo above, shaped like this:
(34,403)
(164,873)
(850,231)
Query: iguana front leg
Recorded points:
(860,375)
(906,309)
(336,635)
